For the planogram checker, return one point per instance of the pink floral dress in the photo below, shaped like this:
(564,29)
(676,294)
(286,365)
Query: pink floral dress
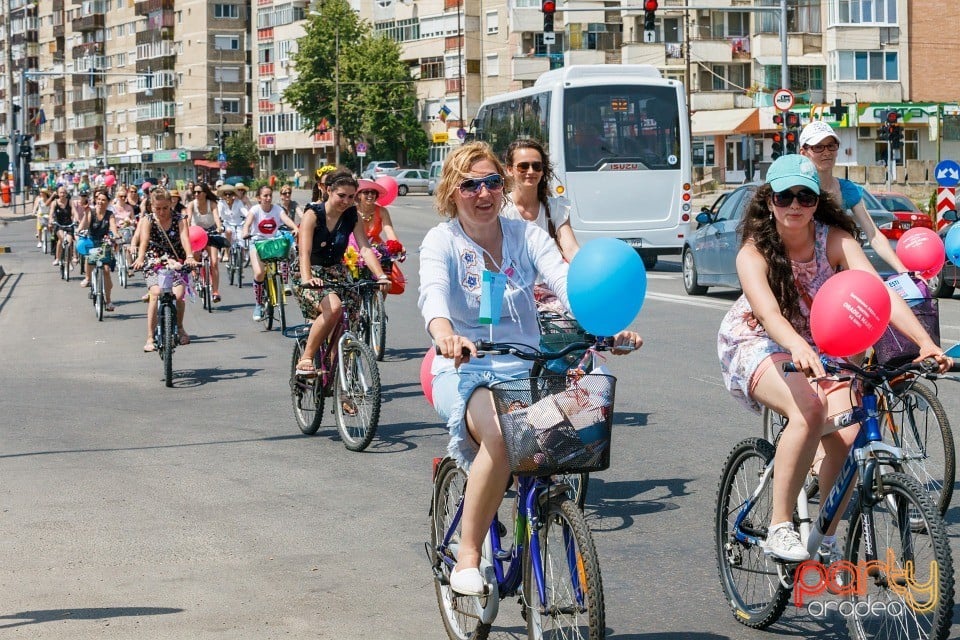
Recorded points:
(743,343)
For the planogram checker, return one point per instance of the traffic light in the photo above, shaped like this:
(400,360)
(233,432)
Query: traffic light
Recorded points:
(793,120)
(549,8)
(894,130)
(777,145)
(791,141)
(649,14)
(778,120)
(26,148)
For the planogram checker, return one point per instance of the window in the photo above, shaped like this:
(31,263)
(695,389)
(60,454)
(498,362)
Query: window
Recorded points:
(866,65)
(265,53)
(728,77)
(729,23)
(226,11)
(803,16)
(431,68)
(226,105)
(865,12)
(226,74)
(452,66)
(226,43)
(399,30)
(493,22)
(266,89)
(493,64)
(802,79)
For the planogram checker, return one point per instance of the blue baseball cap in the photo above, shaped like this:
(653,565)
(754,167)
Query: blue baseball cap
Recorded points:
(793,170)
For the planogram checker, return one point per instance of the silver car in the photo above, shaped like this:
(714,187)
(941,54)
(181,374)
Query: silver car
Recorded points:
(710,252)
(411,181)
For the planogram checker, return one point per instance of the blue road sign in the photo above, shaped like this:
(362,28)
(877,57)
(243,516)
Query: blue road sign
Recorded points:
(947,173)
(222,157)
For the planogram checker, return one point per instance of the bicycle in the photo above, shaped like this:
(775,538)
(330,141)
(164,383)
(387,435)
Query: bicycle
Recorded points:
(98,257)
(893,521)
(346,369)
(66,243)
(204,283)
(166,336)
(45,239)
(238,258)
(373,319)
(123,263)
(271,253)
(551,561)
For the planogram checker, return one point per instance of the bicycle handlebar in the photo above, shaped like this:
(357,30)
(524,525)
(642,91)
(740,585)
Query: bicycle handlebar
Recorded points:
(927,368)
(530,354)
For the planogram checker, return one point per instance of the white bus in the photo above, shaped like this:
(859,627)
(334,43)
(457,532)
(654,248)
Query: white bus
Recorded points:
(619,141)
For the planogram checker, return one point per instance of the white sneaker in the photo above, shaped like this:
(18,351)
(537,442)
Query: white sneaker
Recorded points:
(56,263)
(258,313)
(287,289)
(783,542)
(39,245)
(468,582)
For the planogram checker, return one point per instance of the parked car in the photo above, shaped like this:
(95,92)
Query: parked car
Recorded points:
(710,252)
(411,181)
(908,213)
(379,168)
(433,176)
(944,283)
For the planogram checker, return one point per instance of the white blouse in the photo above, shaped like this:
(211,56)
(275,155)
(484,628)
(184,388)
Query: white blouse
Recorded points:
(559,212)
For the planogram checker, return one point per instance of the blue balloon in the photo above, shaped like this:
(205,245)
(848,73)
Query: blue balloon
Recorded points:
(606,286)
(952,244)
(84,244)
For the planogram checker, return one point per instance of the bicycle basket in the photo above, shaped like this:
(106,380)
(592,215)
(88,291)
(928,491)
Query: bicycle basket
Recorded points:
(556,424)
(166,279)
(273,249)
(556,333)
(895,348)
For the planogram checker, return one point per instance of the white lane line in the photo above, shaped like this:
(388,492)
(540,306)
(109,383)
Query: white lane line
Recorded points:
(663,276)
(691,301)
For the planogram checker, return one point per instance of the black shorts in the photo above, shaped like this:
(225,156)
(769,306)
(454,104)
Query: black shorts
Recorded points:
(216,240)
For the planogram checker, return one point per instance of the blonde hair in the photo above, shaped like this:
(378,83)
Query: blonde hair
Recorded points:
(159,194)
(456,168)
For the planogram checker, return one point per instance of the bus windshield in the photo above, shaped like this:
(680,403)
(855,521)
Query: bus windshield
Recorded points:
(633,125)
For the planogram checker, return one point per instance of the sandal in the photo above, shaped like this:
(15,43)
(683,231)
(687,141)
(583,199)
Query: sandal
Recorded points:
(84,283)
(148,347)
(306,368)
(184,339)
(349,406)
(110,307)
(145,297)
(216,296)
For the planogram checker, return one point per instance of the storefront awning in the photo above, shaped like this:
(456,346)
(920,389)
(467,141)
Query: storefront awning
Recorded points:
(721,122)
(209,164)
(808,60)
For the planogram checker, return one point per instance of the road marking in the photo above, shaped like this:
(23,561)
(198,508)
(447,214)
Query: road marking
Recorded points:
(690,301)
(663,276)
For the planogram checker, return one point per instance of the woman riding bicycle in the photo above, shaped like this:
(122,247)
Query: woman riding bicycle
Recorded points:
(262,223)
(453,257)
(324,236)
(794,238)
(61,221)
(204,213)
(101,226)
(163,236)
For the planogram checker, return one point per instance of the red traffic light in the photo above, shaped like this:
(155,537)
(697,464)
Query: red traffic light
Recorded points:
(777,137)
(548,6)
(777,119)
(650,5)
(791,136)
(892,116)
(793,119)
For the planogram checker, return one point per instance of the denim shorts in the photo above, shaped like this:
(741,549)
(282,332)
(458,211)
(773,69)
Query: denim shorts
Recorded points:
(451,391)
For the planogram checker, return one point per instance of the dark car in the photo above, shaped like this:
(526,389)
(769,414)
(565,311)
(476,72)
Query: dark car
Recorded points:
(710,252)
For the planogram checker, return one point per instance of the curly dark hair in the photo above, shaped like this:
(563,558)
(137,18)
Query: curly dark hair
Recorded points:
(759,227)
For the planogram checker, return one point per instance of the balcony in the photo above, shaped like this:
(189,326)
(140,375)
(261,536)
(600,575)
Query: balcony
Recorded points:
(149,6)
(57,6)
(59,111)
(155,126)
(88,134)
(31,62)
(162,94)
(24,37)
(265,69)
(88,49)
(59,85)
(92,105)
(59,30)
(59,137)
(149,36)
(159,63)
(711,100)
(265,105)
(265,34)
(529,20)
(92,22)
(529,67)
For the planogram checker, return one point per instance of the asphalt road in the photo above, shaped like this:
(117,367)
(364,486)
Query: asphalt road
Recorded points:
(130,510)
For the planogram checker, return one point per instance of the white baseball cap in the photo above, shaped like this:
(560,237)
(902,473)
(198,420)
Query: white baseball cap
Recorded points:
(816,132)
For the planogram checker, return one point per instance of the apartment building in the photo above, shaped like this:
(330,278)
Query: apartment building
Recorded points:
(145,87)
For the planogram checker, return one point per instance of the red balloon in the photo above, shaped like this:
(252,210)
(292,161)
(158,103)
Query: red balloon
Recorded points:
(426,378)
(198,238)
(390,184)
(921,249)
(849,313)
(109,180)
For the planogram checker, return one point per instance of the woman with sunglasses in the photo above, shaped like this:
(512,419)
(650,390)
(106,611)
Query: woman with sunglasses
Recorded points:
(531,199)
(453,257)
(289,205)
(101,226)
(204,213)
(376,219)
(794,237)
(324,236)
(821,144)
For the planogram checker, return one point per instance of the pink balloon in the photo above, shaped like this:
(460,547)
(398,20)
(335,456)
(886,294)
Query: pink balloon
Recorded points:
(198,238)
(390,184)
(426,378)
(109,180)
(921,249)
(849,313)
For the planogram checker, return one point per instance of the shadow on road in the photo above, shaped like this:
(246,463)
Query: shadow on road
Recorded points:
(149,447)
(187,378)
(391,392)
(613,506)
(7,285)
(404,355)
(95,613)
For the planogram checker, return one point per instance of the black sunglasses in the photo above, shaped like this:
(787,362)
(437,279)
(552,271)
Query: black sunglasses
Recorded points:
(526,166)
(471,186)
(805,197)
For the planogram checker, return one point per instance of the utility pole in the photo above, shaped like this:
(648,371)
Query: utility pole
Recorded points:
(336,115)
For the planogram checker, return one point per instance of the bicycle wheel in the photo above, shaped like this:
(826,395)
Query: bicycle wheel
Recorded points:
(913,588)
(67,256)
(748,577)
(98,299)
(242,260)
(269,302)
(122,267)
(45,240)
(461,614)
(378,325)
(306,395)
(167,320)
(281,304)
(919,425)
(578,483)
(573,588)
(357,403)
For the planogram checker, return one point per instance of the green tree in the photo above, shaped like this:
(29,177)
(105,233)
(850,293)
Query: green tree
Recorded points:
(242,153)
(378,102)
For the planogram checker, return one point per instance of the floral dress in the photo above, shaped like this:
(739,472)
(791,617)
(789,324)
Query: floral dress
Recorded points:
(743,343)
